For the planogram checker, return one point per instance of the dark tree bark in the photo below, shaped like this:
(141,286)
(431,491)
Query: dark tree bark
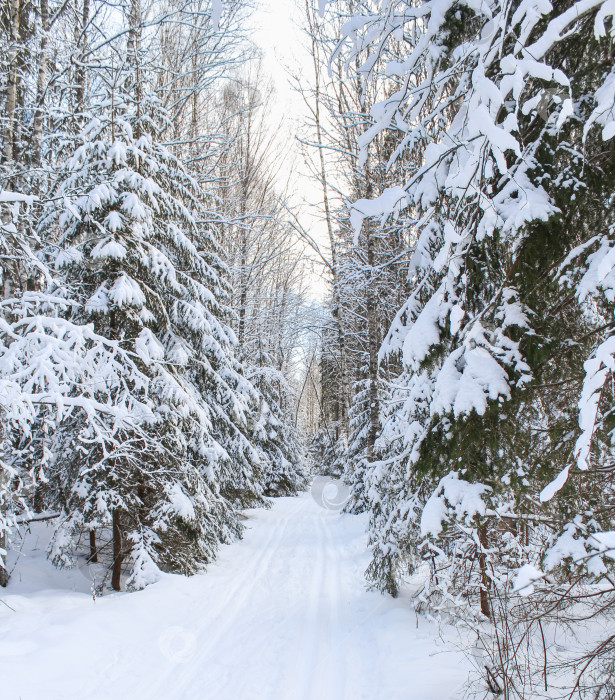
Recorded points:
(93,552)
(485,583)
(12,19)
(118,555)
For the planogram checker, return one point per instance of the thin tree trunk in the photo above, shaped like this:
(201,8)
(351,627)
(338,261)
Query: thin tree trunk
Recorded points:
(485,583)
(337,312)
(81,42)
(118,555)
(243,300)
(10,104)
(37,122)
(93,551)
(373,347)
(243,260)
(194,126)
(134,48)
(4,574)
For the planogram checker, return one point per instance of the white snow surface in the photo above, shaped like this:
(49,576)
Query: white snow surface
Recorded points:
(527,575)
(283,614)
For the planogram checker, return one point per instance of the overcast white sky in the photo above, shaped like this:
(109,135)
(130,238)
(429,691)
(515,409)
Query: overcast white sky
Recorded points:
(278,34)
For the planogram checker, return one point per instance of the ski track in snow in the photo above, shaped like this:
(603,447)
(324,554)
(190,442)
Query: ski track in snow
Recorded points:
(281,615)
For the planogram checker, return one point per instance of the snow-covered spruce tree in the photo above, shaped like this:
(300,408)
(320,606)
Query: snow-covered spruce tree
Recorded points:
(329,444)
(356,455)
(274,434)
(372,287)
(505,114)
(51,373)
(16,260)
(131,248)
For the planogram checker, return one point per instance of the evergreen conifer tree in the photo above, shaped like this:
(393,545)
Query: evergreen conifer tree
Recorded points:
(133,251)
(505,113)
(273,432)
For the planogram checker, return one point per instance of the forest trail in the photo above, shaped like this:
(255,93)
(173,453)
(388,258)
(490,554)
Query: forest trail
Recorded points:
(281,615)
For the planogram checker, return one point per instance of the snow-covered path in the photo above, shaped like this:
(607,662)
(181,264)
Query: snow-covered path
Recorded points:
(281,615)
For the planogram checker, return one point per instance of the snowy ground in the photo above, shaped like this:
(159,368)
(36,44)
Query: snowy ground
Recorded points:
(281,615)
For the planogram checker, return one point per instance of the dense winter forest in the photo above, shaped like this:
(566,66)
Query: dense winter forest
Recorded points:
(186,341)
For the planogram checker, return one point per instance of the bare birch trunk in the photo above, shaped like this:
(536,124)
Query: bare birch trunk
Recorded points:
(10,106)
(41,78)
(337,304)
(82,19)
